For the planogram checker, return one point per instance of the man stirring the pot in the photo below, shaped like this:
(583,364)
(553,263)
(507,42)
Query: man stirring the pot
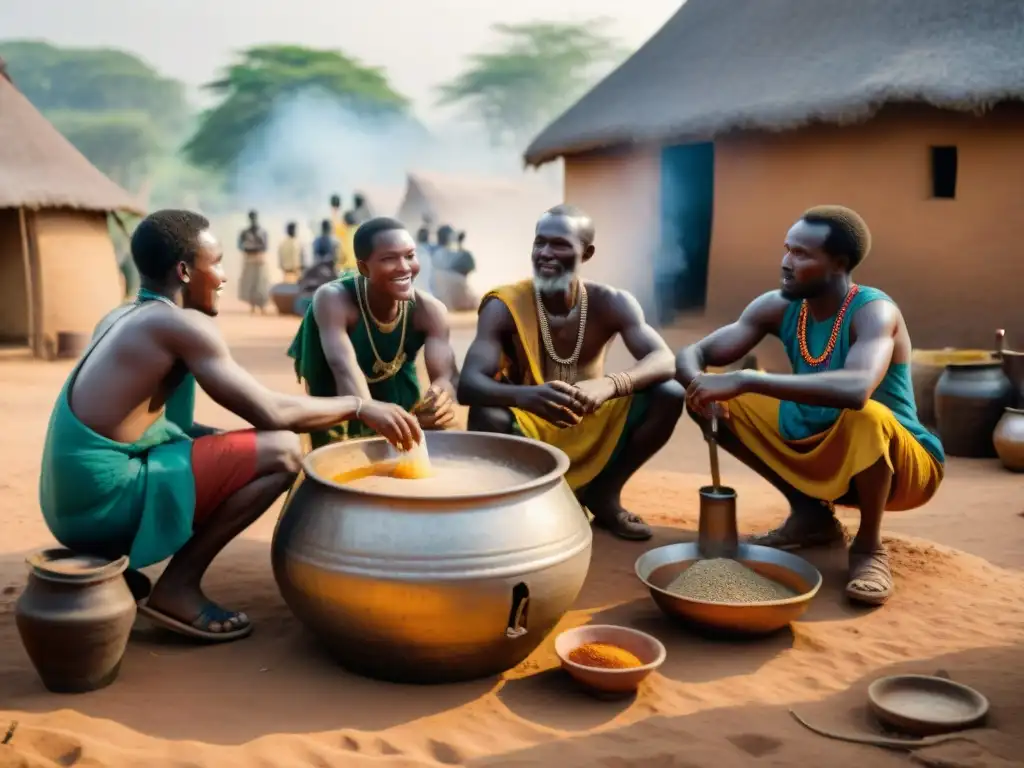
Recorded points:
(536,368)
(843,427)
(362,333)
(125,469)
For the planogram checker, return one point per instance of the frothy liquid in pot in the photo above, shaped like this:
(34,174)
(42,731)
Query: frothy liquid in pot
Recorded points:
(448,477)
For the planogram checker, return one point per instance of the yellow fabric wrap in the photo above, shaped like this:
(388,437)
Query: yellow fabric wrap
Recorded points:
(590,444)
(823,466)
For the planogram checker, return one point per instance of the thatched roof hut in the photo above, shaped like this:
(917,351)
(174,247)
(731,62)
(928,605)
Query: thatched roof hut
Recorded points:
(776,65)
(698,153)
(58,270)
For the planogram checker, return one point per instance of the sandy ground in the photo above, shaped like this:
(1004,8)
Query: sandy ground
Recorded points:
(274,700)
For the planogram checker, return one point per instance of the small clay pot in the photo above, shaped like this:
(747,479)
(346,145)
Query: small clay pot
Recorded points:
(969,401)
(74,618)
(283,295)
(1009,439)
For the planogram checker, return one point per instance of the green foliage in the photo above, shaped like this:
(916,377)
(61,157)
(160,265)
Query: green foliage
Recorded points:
(540,69)
(263,76)
(116,109)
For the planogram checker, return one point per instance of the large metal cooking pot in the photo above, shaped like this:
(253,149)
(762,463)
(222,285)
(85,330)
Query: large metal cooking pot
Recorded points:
(427,589)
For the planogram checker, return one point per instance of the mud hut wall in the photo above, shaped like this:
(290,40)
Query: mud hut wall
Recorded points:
(955,267)
(14,299)
(621,192)
(79,277)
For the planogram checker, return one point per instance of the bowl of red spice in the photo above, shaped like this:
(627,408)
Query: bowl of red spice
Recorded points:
(608,659)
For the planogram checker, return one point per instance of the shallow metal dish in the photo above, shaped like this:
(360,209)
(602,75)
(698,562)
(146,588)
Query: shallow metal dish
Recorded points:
(658,567)
(923,705)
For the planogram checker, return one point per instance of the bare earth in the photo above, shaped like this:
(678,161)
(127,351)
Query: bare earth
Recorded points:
(274,700)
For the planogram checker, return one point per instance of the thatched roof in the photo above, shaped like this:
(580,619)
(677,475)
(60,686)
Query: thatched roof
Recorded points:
(39,168)
(722,65)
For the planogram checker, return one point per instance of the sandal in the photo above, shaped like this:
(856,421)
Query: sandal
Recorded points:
(870,577)
(788,536)
(199,629)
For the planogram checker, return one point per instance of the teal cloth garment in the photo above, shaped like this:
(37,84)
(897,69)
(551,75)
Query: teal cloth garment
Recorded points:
(798,421)
(111,499)
(312,368)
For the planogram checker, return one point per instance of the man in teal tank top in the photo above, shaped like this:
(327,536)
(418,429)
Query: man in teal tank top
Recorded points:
(363,332)
(125,469)
(843,427)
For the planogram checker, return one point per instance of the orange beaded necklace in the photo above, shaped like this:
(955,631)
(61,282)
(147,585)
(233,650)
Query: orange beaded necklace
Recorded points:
(801,330)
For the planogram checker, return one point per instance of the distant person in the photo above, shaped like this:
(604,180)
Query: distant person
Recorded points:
(254,286)
(452,268)
(346,251)
(361,208)
(337,217)
(291,257)
(126,470)
(425,256)
(326,246)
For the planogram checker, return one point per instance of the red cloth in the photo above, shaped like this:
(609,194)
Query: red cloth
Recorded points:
(222,465)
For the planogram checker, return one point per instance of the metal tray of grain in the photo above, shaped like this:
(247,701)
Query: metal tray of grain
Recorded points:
(658,568)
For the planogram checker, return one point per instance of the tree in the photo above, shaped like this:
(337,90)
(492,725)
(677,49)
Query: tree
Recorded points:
(264,77)
(116,109)
(540,69)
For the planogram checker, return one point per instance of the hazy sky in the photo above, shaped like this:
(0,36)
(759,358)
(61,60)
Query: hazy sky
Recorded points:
(419,42)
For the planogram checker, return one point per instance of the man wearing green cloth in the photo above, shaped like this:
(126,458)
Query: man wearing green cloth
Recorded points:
(363,331)
(126,471)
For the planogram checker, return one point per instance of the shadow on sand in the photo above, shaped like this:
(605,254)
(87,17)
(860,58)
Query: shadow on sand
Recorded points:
(741,737)
(220,686)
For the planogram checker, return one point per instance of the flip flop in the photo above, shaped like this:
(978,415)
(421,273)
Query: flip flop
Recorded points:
(872,568)
(210,614)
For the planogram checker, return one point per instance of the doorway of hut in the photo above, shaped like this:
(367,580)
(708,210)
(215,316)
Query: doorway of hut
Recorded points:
(14,299)
(687,201)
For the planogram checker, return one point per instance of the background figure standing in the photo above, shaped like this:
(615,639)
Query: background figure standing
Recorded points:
(425,256)
(361,208)
(326,246)
(346,245)
(291,257)
(452,268)
(254,287)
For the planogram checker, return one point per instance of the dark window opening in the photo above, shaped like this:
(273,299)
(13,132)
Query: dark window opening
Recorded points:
(944,167)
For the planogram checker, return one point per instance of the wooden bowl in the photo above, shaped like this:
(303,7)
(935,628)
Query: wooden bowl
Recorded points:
(922,705)
(610,683)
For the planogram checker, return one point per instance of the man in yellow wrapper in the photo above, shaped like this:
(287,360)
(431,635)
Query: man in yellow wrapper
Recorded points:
(843,427)
(536,368)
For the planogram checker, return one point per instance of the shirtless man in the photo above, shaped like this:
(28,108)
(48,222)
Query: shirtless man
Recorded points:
(843,427)
(536,368)
(125,469)
(366,329)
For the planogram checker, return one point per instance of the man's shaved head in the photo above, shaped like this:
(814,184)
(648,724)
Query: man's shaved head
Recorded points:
(581,220)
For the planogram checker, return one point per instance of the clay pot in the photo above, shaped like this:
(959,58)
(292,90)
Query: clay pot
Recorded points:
(1013,368)
(969,401)
(74,618)
(927,366)
(283,295)
(1009,439)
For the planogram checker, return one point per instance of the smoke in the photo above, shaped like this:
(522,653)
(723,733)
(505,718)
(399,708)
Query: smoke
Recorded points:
(312,147)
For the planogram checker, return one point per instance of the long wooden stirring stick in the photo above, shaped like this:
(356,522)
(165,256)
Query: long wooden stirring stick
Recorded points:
(716,479)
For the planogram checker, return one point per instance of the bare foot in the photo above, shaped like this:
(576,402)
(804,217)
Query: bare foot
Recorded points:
(803,530)
(619,522)
(871,580)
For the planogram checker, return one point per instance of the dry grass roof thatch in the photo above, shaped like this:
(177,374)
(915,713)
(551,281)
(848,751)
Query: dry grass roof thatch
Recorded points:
(722,65)
(39,168)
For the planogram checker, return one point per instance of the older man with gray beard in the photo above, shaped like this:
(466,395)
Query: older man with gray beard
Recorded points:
(536,368)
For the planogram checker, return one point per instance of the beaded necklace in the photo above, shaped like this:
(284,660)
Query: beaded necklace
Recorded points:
(801,330)
(565,367)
